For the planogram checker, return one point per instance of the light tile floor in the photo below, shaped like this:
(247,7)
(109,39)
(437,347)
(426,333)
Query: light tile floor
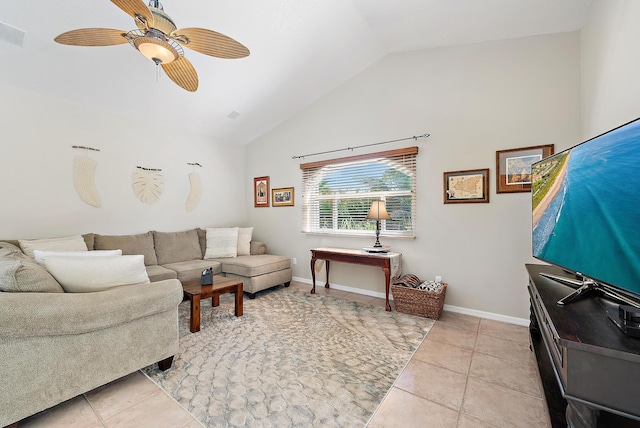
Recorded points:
(468,372)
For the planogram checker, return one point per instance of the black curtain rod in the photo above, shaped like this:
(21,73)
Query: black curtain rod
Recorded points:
(364,145)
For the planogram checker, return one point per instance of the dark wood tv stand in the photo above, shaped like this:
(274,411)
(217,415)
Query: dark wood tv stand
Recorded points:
(595,365)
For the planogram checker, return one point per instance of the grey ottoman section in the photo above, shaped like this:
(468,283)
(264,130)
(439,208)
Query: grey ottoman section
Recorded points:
(258,272)
(159,273)
(254,265)
(254,284)
(193,268)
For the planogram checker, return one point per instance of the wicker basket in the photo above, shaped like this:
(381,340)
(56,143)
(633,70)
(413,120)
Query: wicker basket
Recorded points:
(418,302)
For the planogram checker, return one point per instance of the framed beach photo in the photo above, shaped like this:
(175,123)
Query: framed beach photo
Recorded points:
(513,167)
(470,186)
(261,192)
(282,197)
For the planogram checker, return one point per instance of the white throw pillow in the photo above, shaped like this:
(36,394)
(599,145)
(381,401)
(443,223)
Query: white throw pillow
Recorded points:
(222,242)
(87,274)
(244,240)
(39,255)
(69,243)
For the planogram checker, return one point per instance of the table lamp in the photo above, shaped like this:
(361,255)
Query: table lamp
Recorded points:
(377,212)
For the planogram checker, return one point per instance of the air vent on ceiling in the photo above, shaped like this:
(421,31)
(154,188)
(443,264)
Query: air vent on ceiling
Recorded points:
(11,34)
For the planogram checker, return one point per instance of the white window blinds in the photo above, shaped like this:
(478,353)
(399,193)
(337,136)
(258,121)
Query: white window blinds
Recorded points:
(337,194)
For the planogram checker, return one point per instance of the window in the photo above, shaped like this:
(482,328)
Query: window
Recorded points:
(337,194)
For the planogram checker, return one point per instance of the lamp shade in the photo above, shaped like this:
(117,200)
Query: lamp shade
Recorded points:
(378,211)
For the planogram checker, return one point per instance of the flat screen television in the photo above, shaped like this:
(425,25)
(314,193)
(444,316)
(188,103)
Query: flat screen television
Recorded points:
(586,214)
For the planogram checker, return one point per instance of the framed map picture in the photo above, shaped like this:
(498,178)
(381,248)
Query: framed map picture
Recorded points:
(466,186)
(513,167)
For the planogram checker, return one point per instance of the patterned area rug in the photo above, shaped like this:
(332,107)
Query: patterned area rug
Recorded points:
(292,359)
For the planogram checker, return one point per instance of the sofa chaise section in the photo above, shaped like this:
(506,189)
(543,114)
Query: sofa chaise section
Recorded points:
(183,253)
(258,272)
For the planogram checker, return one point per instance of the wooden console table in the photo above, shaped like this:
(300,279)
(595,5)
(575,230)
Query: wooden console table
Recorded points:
(596,367)
(389,262)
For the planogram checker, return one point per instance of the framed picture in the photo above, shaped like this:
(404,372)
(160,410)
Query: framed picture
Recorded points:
(261,192)
(282,197)
(466,186)
(513,167)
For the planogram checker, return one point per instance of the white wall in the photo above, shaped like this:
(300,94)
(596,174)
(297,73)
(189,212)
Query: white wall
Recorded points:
(610,66)
(473,100)
(36,159)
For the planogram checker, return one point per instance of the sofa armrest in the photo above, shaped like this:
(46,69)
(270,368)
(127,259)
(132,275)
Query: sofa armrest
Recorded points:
(55,314)
(257,247)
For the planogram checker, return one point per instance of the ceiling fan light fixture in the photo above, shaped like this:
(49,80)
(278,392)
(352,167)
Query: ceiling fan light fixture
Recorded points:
(156,50)
(159,40)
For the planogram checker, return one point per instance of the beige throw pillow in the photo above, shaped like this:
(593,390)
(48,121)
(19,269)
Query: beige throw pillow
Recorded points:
(222,242)
(69,243)
(244,241)
(39,255)
(88,274)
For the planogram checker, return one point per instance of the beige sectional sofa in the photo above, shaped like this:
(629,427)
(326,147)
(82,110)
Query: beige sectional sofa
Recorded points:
(179,255)
(56,345)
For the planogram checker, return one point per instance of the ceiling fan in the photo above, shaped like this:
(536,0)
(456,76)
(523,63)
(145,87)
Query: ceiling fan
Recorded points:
(158,39)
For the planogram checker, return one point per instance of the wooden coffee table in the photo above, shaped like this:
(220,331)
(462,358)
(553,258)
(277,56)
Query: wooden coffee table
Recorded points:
(196,292)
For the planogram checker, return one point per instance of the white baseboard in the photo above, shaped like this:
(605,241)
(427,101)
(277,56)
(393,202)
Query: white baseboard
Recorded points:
(487,315)
(343,288)
(451,308)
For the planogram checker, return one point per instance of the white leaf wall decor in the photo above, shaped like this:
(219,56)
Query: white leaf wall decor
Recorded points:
(84,181)
(148,185)
(195,192)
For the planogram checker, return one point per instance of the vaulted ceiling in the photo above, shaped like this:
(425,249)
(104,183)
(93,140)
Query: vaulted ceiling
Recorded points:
(300,50)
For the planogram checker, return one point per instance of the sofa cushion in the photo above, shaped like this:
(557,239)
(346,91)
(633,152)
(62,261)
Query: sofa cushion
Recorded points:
(174,247)
(20,275)
(88,274)
(68,243)
(192,269)
(10,243)
(159,273)
(244,240)
(221,242)
(129,244)
(254,265)
(10,247)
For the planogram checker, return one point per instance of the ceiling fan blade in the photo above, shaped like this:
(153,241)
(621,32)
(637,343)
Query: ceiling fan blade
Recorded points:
(210,43)
(92,37)
(135,7)
(182,73)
